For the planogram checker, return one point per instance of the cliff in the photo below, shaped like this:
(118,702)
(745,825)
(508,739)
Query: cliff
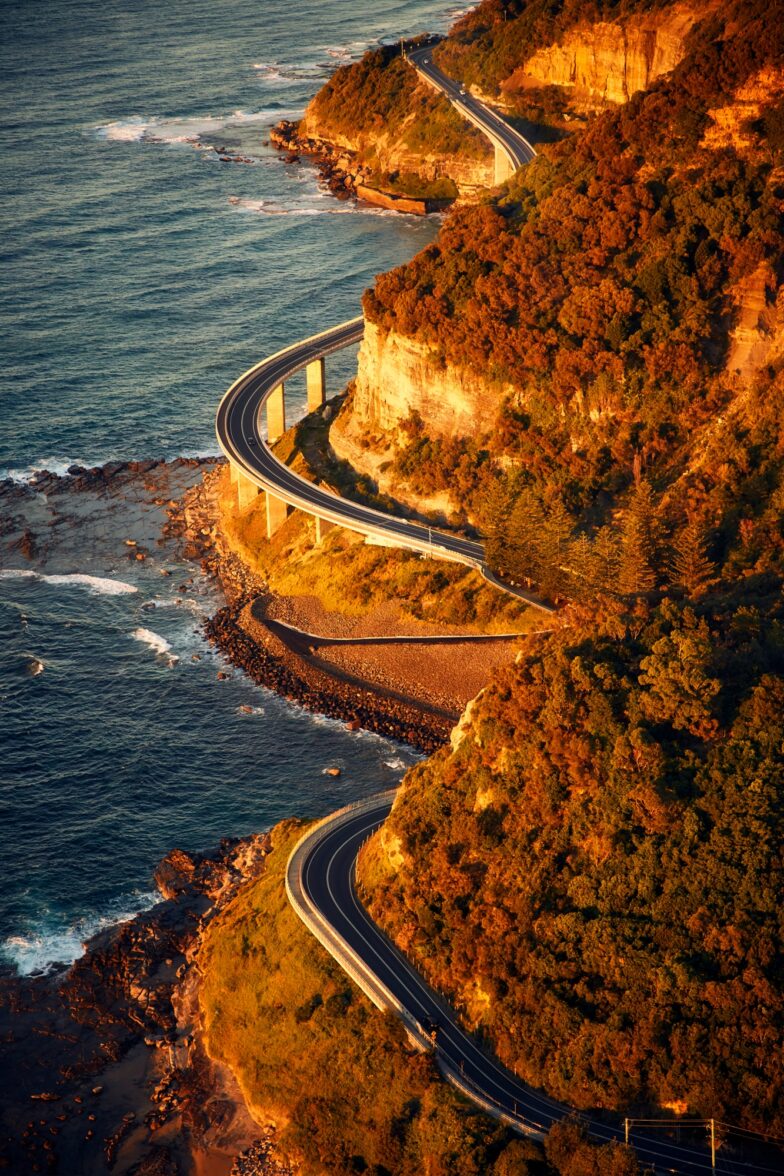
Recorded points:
(398,376)
(610,61)
(737,123)
(390,125)
(384,152)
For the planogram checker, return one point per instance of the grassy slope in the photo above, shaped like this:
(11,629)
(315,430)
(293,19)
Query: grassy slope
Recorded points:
(349,576)
(340,1079)
(313,1054)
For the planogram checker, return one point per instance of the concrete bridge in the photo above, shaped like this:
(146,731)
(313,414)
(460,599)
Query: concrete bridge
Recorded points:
(260,393)
(257,399)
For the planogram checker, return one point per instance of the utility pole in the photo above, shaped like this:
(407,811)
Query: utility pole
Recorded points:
(713,1144)
(626,1131)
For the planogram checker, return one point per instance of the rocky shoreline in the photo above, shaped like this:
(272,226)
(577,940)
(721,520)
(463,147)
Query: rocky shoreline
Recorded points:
(344,176)
(258,651)
(104,1067)
(119,1079)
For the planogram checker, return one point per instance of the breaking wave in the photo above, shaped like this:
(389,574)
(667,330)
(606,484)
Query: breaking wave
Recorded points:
(158,644)
(138,129)
(47,946)
(100,585)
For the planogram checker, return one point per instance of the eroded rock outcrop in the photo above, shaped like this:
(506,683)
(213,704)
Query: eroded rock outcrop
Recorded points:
(734,125)
(398,376)
(390,154)
(609,62)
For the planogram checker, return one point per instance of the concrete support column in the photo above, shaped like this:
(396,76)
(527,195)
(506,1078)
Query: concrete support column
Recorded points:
(503,168)
(317,393)
(322,528)
(235,474)
(247,491)
(276,414)
(277,513)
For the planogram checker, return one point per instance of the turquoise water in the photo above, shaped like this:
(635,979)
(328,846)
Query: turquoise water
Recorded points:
(140,276)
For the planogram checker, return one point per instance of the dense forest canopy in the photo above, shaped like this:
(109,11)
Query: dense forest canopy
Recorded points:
(594,872)
(598,291)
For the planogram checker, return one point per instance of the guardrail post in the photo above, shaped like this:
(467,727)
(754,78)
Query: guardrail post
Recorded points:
(276,413)
(277,513)
(316,384)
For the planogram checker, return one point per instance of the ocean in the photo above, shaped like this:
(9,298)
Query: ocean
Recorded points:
(141,275)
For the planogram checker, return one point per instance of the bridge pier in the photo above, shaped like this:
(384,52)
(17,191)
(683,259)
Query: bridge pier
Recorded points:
(277,513)
(502,166)
(247,491)
(276,413)
(322,529)
(314,376)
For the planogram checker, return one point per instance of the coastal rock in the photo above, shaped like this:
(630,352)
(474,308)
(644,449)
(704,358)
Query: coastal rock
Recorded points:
(117,1009)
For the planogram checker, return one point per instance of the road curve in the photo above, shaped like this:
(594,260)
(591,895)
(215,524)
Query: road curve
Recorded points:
(515,147)
(238,427)
(320,878)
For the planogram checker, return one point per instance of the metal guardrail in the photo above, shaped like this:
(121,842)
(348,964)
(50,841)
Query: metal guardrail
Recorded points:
(362,975)
(330,939)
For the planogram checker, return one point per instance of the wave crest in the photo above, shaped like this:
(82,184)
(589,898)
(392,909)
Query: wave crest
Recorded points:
(159,644)
(100,585)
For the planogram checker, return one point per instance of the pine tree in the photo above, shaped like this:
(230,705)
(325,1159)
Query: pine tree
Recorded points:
(639,543)
(523,555)
(691,568)
(552,542)
(605,559)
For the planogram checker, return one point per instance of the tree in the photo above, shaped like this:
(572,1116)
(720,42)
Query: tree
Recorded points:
(691,568)
(639,541)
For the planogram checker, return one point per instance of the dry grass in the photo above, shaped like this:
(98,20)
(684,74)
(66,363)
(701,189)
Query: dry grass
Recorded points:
(347,575)
(312,1054)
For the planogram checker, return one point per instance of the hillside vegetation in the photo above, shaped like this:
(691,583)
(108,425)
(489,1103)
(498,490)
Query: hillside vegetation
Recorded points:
(594,872)
(610,288)
(410,137)
(349,1093)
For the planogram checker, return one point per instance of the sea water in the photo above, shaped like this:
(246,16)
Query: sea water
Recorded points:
(140,276)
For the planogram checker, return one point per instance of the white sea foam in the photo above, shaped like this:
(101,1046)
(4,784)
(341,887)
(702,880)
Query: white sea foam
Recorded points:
(158,644)
(316,205)
(43,948)
(288,75)
(250,710)
(100,585)
(185,130)
(52,465)
(396,764)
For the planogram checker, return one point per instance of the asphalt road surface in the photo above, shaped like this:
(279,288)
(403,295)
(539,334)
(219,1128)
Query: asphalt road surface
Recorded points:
(517,148)
(325,863)
(240,434)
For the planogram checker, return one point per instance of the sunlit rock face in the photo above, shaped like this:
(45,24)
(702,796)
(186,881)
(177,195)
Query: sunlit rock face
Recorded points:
(397,376)
(609,62)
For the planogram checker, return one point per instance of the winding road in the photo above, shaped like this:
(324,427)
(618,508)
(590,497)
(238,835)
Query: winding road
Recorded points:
(320,883)
(515,147)
(240,434)
(320,877)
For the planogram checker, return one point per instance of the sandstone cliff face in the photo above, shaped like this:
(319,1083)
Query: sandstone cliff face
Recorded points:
(757,337)
(609,62)
(390,154)
(397,376)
